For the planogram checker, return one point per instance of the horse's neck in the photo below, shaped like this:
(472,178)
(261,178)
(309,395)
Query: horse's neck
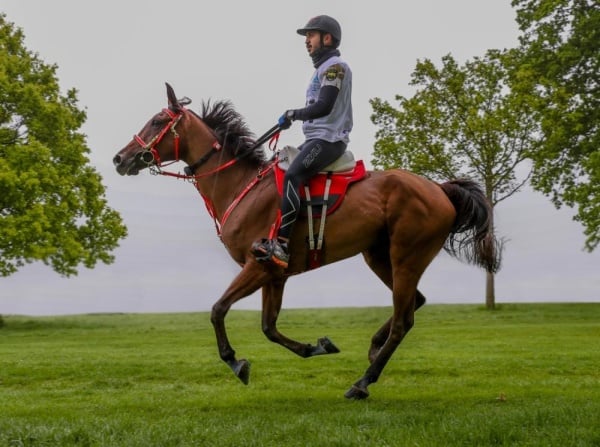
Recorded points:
(223,187)
(219,186)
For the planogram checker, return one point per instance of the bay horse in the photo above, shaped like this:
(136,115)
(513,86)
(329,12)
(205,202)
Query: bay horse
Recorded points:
(397,220)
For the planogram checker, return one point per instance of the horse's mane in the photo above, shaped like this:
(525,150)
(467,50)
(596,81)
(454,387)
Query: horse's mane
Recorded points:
(232,131)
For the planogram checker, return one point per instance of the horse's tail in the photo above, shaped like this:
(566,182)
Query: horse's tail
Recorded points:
(472,235)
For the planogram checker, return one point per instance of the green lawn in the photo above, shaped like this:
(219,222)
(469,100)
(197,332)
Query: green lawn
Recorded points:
(523,375)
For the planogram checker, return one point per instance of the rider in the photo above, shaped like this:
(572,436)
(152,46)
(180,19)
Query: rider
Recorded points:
(327,122)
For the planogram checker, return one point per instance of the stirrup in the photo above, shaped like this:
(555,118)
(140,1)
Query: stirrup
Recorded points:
(262,250)
(271,250)
(279,253)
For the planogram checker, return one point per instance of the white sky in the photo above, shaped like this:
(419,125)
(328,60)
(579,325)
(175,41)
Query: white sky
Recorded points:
(119,54)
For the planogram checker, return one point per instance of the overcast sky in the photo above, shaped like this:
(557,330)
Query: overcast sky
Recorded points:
(118,54)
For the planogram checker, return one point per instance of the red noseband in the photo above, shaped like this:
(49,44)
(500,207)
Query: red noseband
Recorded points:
(150,147)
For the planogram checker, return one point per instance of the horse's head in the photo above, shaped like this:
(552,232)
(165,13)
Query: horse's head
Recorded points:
(176,133)
(157,142)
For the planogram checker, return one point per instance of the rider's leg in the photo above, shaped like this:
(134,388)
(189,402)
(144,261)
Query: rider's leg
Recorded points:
(314,156)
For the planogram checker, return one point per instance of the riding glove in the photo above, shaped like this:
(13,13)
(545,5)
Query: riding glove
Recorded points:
(285,120)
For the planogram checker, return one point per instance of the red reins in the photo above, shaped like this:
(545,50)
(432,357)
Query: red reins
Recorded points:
(211,208)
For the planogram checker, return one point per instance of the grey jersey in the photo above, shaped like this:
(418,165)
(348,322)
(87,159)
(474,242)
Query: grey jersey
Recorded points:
(337,125)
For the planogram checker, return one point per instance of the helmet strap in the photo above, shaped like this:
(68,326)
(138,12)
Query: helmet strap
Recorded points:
(321,42)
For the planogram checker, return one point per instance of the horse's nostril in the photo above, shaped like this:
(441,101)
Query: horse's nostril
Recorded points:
(117,160)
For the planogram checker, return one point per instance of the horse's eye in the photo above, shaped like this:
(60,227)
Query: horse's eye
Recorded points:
(156,122)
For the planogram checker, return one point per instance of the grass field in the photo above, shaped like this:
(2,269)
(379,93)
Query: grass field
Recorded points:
(523,375)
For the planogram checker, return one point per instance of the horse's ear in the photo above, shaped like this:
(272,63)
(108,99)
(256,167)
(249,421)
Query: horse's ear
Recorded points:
(173,103)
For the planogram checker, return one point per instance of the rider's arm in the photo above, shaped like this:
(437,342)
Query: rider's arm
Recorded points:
(321,107)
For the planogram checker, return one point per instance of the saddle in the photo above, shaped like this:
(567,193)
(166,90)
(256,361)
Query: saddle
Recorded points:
(323,194)
(327,188)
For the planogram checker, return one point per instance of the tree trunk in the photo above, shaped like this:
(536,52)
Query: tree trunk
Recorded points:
(490,291)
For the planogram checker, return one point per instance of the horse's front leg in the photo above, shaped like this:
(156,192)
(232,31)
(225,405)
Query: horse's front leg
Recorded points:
(272,296)
(250,279)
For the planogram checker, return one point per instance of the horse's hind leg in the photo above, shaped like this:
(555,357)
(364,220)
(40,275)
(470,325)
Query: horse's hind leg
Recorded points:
(382,334)
(401,322)
(379,262)
(272,299)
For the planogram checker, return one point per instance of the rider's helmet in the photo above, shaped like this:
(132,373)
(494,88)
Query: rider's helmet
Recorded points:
(324,24)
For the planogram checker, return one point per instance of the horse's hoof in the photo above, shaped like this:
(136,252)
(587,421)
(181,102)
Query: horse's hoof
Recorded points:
(356,393)
(328,345)
(324,346)
(420,300)
(242,371)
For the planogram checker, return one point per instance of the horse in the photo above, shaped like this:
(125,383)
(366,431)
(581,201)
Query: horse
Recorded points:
(397,220)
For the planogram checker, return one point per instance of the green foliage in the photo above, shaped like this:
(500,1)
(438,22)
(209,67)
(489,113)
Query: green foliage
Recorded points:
(52,205)
(462,121)
(560,72)
(523,375)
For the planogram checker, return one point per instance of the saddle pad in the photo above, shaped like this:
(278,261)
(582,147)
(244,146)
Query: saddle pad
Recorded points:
(346,161)
(337,190)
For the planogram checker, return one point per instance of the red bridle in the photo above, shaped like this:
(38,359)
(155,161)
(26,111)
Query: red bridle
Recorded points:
(150,147)
(152,158)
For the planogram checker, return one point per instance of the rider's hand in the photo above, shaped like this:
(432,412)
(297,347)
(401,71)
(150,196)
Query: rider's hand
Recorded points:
(285,120)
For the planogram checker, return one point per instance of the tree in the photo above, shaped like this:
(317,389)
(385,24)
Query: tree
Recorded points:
(559,70)
(462,121)
(52,203)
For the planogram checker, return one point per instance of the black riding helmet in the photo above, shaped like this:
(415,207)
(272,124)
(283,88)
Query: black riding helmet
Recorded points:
(324,24)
